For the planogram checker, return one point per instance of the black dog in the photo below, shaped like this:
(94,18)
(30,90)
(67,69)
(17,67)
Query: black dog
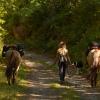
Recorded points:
(78,65)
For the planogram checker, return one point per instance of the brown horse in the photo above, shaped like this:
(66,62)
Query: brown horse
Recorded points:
(13,60)
(93,60)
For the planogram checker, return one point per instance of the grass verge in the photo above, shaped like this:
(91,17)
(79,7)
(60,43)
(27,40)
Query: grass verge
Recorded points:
(12,92)
(67,93)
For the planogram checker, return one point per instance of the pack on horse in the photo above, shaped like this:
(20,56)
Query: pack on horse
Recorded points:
(13,60)
(93,60)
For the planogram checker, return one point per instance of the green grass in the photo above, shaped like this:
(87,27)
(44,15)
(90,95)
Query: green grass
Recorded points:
(70,94)
(66,92)
(12,92)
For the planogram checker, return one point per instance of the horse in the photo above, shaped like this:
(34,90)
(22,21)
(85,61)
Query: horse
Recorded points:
(13,60)
(93,60)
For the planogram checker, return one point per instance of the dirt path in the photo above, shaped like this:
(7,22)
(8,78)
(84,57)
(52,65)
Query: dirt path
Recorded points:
(82,86)
(41,78)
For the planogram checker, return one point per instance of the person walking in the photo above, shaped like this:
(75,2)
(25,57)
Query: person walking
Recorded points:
(62,58)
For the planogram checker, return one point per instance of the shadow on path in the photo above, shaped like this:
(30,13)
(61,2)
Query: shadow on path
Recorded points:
(82,86)
(40,80)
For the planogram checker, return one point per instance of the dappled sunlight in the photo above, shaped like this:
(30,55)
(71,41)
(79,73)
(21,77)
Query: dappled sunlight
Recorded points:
(78,81)
(38,97)
(43,83)
(39,81)
(93,93)
(29,63)
(23,82)
(80,90)
(10,92)
(55,85)
(19,95)
(82,86)
(38,91)
(48,62)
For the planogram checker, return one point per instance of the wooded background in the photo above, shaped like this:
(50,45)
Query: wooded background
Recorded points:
(41,24)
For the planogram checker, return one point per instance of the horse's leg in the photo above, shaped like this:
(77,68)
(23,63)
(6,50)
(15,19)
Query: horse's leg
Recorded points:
(92,77)
(8,79)
(91,80)
(15,71)
(95,77)
(7,73)
(95,80)
(14,77)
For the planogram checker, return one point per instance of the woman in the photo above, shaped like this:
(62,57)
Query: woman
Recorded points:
(63,59)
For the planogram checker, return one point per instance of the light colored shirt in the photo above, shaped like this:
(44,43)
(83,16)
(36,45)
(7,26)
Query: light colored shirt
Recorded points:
(62,52)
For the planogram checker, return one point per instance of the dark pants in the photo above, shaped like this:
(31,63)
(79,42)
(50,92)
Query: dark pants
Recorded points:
(62,70)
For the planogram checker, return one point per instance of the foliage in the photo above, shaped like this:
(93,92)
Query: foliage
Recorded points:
(66,93)
(43,23)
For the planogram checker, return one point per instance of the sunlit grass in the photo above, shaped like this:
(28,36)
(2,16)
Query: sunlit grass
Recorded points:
(11,92)
(66,92)
(55,85)
(70,94)
(1,44)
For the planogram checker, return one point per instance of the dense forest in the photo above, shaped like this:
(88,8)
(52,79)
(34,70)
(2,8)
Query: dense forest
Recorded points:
(41,24)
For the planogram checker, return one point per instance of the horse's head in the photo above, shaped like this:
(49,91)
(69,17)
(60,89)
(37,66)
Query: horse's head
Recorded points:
(4,50)
(20,49)
(12,47)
